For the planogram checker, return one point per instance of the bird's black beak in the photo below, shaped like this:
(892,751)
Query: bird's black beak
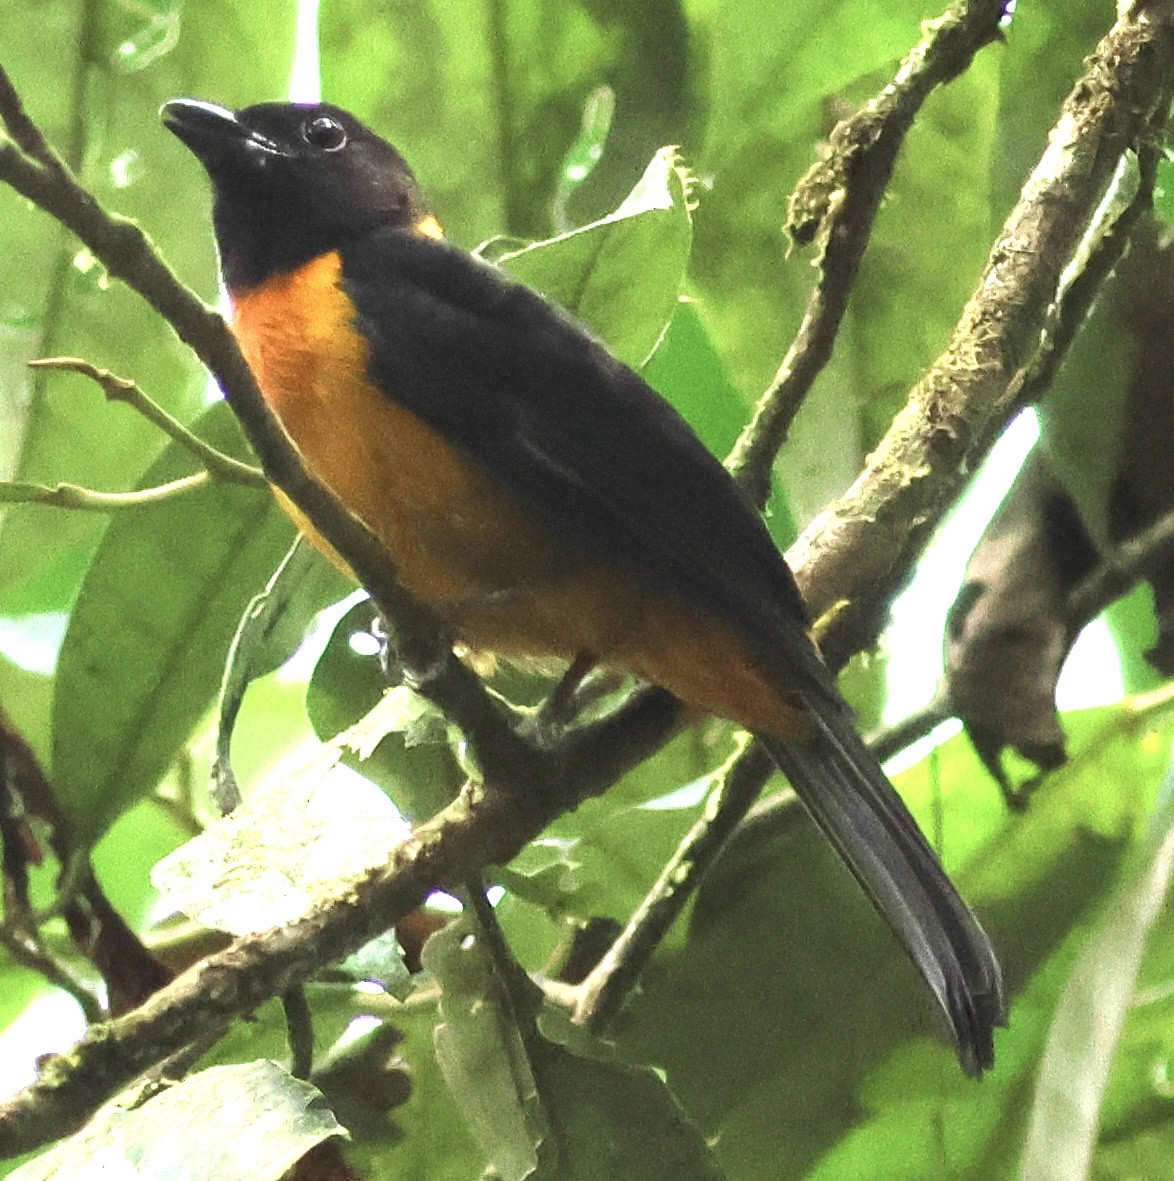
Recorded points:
(215,135)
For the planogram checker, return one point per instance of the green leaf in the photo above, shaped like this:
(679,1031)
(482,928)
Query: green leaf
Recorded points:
(482,1053)
(424,1137)
(779,75)
(622,275)
(604,863)
(583,155)
(1048,42)
(686,369)
(600,860)
(226,1123)
(1164,194)
(127,850)
(539,1109)
(1083,1041)
(412,763)
(381,960)
(147,643)
(271,629)
(614,1119)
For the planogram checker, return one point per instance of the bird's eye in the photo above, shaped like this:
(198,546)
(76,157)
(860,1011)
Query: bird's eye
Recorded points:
(323,132)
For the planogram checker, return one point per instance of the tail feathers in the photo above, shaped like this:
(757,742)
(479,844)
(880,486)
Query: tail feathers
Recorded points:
(858,810)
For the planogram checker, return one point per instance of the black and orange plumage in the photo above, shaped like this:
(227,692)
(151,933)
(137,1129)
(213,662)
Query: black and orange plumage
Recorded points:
(537,494)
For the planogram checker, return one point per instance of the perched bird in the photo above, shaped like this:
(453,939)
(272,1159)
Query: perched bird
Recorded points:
(537,494)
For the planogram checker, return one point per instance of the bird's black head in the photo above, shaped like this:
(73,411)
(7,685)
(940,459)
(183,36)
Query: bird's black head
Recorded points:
(293,181)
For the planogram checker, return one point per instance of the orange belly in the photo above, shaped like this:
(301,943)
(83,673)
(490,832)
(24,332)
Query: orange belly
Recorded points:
(461,542)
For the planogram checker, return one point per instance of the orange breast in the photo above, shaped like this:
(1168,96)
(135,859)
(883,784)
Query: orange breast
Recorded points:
(461,542)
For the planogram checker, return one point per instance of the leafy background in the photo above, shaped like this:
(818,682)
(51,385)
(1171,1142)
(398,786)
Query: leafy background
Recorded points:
(789,1030)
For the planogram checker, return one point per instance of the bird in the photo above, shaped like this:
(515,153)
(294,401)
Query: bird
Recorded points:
(539,495)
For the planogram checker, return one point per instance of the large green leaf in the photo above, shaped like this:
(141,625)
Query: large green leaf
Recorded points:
(147,642)
(538,1108)
(226,1123)
(622,275)
(282,851)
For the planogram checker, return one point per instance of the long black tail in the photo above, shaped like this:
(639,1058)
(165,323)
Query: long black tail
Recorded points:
(848,795)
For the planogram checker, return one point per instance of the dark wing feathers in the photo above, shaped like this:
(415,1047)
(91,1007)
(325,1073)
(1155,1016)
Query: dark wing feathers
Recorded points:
(574,432)
(857,809)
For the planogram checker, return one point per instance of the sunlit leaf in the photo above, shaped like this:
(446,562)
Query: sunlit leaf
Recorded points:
(285,849)
(226,1123)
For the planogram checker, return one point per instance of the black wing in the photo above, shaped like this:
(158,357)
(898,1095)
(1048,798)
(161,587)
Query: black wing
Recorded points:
(534,397)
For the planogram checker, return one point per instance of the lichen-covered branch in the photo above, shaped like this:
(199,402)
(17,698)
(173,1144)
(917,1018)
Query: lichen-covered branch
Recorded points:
(836,203)
(858,551)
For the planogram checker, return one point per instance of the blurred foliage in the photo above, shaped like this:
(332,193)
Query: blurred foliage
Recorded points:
(790,1037)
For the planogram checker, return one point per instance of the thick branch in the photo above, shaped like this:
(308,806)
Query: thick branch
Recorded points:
(478,829)
(857,552)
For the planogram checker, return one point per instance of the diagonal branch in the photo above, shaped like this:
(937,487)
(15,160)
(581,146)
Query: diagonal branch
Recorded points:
(836,202)
(857,552)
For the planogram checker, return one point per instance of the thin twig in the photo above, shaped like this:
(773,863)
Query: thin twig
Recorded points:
(73,496)
(607,986)
(1121,569)
(892,740)
(122,389)
(837,201)
(28,950)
